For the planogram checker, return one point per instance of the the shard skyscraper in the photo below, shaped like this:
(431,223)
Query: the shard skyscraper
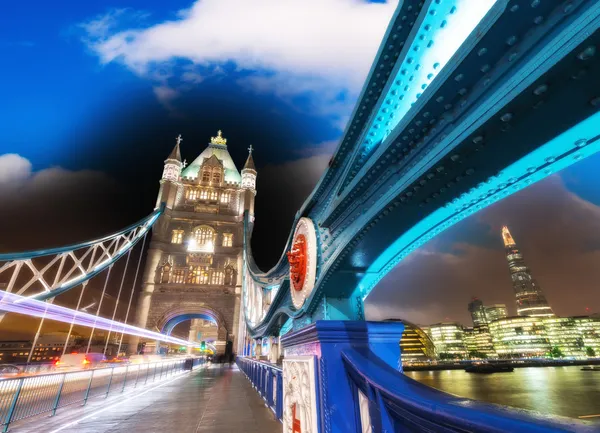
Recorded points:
(529,296)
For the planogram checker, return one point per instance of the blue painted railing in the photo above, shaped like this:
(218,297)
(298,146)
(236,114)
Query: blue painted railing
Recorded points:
(397,403)
(267,379)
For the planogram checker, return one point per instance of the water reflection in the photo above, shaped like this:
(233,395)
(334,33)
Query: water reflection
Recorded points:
(565,391)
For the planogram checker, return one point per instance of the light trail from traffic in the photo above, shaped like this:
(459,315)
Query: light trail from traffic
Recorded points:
(13,303)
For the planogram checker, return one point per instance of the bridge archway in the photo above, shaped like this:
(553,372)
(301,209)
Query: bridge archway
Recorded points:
(175,316)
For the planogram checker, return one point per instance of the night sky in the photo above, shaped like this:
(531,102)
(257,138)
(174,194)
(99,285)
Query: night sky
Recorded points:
(94,94)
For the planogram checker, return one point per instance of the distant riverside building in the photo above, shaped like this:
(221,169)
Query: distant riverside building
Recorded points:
(448,339)
(520,337)
(477,311)
(478,342)
(529,296)
(495,312)
(484,314)
(415,345)
(564,333)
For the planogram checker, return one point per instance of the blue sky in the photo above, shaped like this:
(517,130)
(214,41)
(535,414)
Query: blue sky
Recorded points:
(93,94)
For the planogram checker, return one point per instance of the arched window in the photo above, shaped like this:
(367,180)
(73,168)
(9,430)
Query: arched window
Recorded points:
(191,194)
(204,235)
(203,194)
(218,277)
(227,239)
(214,195)
(177,237)
(216,176)
(206,175)
(198,275)
(225,197)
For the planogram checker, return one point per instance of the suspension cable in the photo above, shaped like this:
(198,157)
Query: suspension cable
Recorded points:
(39,330)
(137,270)
(99,307)
(117,301)
(83,286)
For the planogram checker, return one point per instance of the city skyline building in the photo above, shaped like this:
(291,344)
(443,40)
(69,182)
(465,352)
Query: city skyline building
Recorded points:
(529,298)
(448,339)
(495,312)
(477,311)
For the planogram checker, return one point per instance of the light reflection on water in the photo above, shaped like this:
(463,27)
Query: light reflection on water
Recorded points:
(565,391)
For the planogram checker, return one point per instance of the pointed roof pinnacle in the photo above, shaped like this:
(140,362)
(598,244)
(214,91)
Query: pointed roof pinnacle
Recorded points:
(250,161)
(218,140)
(507,237)
(176,152)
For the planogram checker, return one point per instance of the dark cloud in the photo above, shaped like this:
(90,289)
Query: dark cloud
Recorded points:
(54,207)
(556,230)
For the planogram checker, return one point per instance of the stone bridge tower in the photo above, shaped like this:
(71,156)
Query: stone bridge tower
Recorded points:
(194,263)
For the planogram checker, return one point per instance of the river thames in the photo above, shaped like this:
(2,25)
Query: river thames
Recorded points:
(565,391)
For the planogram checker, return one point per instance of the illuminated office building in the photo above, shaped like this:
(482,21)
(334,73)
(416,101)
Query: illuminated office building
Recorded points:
(448,339)
(478,342)
(495,312)
(520,337)
(415,345)
(529,296)
(589,331)
(564,334)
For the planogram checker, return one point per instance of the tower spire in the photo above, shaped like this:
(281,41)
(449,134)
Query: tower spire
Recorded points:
(176,152)
(507,237)
(249,165)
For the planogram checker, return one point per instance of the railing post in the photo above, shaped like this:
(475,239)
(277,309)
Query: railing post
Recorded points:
(125,378)
(112,372)
(60,388)
(137,375)
(155,367)
(13,405)
(87,391)
(147,373)
(162,365)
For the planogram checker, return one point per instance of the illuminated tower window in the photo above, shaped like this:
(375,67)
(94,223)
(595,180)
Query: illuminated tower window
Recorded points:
(225,197)
(198,275)
(227,239)
(178,276)
(177,237)
(218,277)
(206,175)
(203,235)
(191,194)
(216,176)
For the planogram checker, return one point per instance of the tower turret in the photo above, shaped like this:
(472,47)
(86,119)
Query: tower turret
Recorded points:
(169,183)
(249,182)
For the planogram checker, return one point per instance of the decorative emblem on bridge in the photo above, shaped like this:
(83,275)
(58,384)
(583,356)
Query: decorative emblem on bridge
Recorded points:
(303,261)
(297,259)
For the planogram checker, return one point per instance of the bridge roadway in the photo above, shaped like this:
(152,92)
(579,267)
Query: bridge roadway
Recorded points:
(217,399)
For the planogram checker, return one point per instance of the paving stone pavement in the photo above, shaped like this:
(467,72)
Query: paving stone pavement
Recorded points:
(216,400)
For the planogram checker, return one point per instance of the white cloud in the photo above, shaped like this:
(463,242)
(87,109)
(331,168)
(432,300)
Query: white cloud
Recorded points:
(319,46)
(13,169)
(20,184)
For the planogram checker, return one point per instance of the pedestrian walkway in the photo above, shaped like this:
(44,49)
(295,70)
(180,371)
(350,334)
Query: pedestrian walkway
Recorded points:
(218,399)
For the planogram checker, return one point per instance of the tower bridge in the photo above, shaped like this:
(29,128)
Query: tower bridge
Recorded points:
(467,102)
